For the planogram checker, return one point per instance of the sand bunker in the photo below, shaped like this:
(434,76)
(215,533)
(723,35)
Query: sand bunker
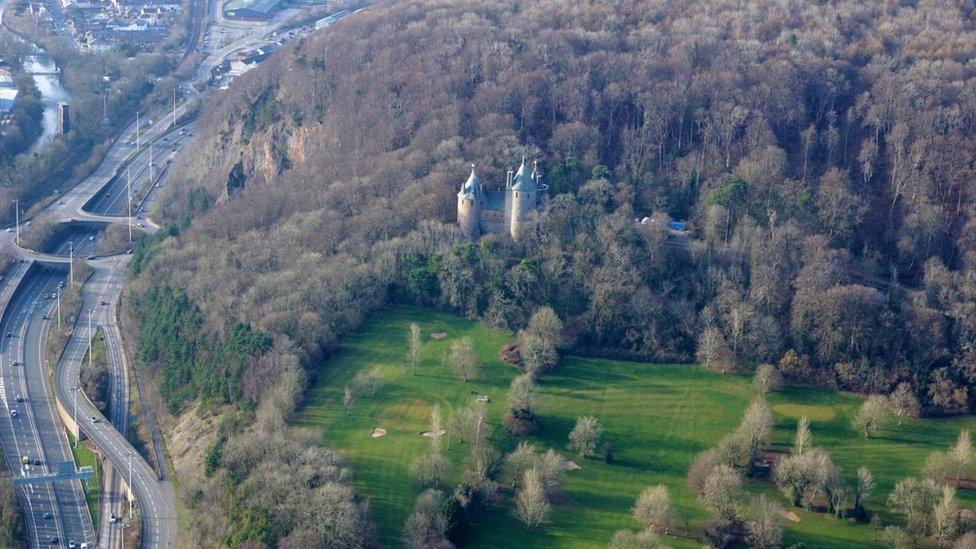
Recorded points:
(440,432)
(790,516)
(377,433)
(438,335)
(572,465)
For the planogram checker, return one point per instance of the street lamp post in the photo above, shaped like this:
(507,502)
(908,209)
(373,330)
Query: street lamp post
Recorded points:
(16,202)
(91,343)
(129,456)
(74,391)
(128,192)
(71,262)
(59,309)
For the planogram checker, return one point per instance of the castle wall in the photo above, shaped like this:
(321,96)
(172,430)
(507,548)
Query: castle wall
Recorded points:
(493,221)
(523,202)
(469,216)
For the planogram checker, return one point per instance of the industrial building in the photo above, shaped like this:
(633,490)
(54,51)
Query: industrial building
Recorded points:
(255,10)
(8,96)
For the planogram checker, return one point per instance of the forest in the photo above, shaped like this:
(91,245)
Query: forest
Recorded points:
(821,154)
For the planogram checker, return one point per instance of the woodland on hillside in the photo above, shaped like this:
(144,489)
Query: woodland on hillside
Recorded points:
(822,154)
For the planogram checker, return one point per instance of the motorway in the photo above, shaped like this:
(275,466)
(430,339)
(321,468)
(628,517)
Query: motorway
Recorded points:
(59,510)
(155,497)
(55,512)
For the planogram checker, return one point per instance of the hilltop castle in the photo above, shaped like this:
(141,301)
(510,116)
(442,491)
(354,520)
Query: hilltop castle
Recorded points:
(482,211)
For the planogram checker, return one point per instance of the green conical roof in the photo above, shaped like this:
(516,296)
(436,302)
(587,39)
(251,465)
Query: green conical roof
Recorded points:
(472,187)
(523,179)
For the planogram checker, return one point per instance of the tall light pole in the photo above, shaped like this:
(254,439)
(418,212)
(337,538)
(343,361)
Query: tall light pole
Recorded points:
(128,192)
(138,139)
(91,343)
(71,262)
(129,456)
(150,164)
(174,107)
(16,202)
(74,391)
(59,309)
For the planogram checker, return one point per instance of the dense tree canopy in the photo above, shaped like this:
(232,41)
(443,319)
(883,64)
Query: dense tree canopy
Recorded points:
(822,154)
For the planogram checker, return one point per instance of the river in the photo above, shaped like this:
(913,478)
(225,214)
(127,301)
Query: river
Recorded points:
(48,80)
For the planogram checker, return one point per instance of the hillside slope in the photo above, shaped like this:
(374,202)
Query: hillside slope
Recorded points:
(822,154)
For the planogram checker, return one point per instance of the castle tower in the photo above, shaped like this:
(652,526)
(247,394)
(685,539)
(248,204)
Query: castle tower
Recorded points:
(523,196)
(471,200)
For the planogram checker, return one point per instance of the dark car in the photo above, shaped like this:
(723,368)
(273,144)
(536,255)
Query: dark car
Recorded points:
(48,516)
(54,540)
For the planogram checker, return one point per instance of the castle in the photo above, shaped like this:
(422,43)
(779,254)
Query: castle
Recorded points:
(482,211)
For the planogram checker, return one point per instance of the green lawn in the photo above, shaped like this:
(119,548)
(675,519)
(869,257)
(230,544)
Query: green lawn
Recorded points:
(85,457)
(657,416)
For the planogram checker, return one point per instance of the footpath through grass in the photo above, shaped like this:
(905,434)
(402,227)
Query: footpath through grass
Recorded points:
(656,416)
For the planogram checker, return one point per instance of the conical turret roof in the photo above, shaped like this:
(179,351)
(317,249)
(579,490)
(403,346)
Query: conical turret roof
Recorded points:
(472,187)
(523,179)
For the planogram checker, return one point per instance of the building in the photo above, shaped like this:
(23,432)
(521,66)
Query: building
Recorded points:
(255,10)
(505,211)
(64,119)
(329,19)
(8,96)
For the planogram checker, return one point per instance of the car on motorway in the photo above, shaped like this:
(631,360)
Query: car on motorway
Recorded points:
(27,224)
(55,540)
(14,413)
(72,544)
(37,462)
(16,363)
(113,518)
(89,258)
(25,460)
(10,229)
(48,516)
(103,302)
(10,334)
(19,398)
(94,419)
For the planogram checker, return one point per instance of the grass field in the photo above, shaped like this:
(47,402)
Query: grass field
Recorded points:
(657,417)
(85,457)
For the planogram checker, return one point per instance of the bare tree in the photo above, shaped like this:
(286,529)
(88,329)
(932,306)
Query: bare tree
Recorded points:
(531,505)
(803,440)
(414,347)
(963,454)
(710,345)
(628,539)
(426,526)
(463,358)
(653,510)
(914,499)
(903,402)
(863,487)
(765,531)
(871,415)
(767,378)
(945,517)
(585,436)
(721,493)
